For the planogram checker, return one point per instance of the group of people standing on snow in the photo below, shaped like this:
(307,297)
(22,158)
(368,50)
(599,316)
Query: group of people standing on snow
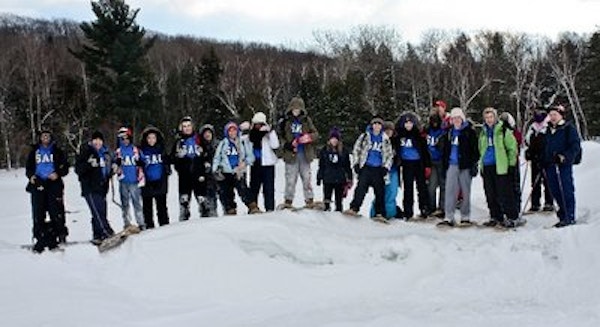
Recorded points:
(439,158)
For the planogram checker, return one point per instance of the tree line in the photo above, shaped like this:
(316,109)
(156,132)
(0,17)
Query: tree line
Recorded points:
(78,77)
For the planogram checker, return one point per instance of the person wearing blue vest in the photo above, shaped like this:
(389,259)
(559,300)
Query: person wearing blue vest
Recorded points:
(562,149)
(460,157)
(46,166)
(157,169)
(127,167)
(392,210)
(189,161)
(94,170)
(232,158)
(498,150)
(415,162)
(372,156)
(437,180)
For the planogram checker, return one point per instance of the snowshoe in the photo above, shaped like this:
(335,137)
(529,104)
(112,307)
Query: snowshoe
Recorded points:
(381,219)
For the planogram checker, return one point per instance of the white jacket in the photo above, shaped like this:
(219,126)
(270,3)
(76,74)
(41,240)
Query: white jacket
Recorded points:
(270,142)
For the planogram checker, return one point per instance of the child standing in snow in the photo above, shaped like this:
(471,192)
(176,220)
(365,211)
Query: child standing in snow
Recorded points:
(334,170)
(393,179)
(298,134)
(415,162)
(232,158)
(93,168)
(156,171)
(127,167)
(373,157)
(534,140)
(209,144)
(264,142)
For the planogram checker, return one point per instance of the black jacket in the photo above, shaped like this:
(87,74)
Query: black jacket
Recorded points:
(160,186)
(334,165)
(190,168)
(468,151)
(61,167)
(93,179)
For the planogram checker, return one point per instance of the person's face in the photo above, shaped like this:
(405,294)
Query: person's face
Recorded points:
(555,117)
(97,143)
(232,132)
(208,135)
(457,122)
(334,141)
(296,112)
(409,125)
(187,128)
(45,138)
(151,139)
(377,127)
(441,111)
(490,119)
(389,132)
(126,141)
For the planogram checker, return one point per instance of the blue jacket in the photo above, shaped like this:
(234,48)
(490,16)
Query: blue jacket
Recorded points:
(562,139)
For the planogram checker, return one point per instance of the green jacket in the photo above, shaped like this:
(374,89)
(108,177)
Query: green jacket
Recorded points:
(505,147)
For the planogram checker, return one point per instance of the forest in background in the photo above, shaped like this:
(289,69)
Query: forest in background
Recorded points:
(78,77)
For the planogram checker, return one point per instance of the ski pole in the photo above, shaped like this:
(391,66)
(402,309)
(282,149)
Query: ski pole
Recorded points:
(563,207)
(537,179)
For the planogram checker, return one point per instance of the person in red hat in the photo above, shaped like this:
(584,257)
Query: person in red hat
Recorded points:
(439,108)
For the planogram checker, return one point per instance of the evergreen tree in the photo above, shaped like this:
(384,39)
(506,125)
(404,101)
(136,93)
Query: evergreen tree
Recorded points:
(590,84)
(114,55)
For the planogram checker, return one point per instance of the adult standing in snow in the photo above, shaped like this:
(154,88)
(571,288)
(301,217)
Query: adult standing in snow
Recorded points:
(94,170)
(460,157)
(127,167)
(157,169)
(264,141)
(415,162)
(509,123)
(498,154)
(45,167)
(188,160)
(437,180)
(334,170)
(562,149)
(299,134)
(439,108)
(373,156)
(534,141)
(232,158)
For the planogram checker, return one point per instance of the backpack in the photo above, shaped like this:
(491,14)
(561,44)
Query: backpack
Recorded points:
(579,154)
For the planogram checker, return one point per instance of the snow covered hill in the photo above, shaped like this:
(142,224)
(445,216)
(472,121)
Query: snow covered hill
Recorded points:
(305,269)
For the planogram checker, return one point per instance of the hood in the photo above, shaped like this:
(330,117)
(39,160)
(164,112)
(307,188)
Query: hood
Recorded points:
(160,138)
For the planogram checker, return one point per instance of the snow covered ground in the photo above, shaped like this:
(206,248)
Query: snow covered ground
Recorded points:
(305,269)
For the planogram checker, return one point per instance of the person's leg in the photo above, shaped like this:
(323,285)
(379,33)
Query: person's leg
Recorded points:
(185,193)
(452,189)
(255,181)
(433,185)
(464,180)
(327,192)
(424,204)
(536,185)
(136,199)
(268,186)
(364,181)
(557,194)
(408,180)
(291,177)
(568,189)
(125,196)
(490,187)
(306,176)
(161,209)
(378,183)
(147,204)
(339,196)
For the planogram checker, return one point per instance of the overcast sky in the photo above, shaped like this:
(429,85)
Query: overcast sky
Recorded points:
(291,23)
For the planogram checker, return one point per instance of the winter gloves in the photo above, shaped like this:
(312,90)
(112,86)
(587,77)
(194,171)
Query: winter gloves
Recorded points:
(559,159)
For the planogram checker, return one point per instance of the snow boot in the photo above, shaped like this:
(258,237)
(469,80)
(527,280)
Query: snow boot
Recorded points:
(184,207)
(287,204)
(351,212)
(253,208)
(548,207)
(231,212)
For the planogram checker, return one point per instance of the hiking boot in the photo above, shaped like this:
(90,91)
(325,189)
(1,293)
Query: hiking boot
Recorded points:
(491,223)
(38,247)
(253,208)
(351,212)
(287,204)
(231,212)
(438,213)
(534,209)
(445,223)
(310,204)
(131,229)
(327,205)
(466,223)
(562,224)
(548,207)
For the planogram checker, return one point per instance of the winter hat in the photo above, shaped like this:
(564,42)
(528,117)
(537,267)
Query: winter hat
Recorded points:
(388,124)
(229,126)
(508,119)
(244,126)
(124,132)
(185,119)
(335,132)
(458,112)
(296,103)
(539,116)
(97,135)
(558,108)
(490,110)
(376,119)
(440,103)
(259,118)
